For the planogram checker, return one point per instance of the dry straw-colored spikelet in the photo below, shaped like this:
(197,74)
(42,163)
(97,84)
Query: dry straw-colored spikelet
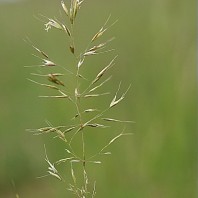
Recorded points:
(103,71)
(115,101)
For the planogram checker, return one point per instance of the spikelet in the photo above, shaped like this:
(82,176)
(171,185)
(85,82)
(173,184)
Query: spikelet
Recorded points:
(103,71)
(100,85)
(54,79)
(66,30)
(115,101)
(102,30)
(65,8)
(115,120)
(52,23)
(45,85)
(95,95)
(28,41)
(72,49)
(73,11)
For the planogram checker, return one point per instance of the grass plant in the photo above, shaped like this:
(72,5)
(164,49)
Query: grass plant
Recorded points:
(87,119)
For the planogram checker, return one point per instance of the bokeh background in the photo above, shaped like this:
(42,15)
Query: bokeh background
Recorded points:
(156,44)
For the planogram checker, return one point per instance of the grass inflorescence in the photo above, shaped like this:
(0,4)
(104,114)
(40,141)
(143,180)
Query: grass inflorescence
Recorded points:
(80,122)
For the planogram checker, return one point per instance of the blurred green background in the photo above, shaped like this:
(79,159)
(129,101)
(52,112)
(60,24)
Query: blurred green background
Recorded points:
(156,43)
